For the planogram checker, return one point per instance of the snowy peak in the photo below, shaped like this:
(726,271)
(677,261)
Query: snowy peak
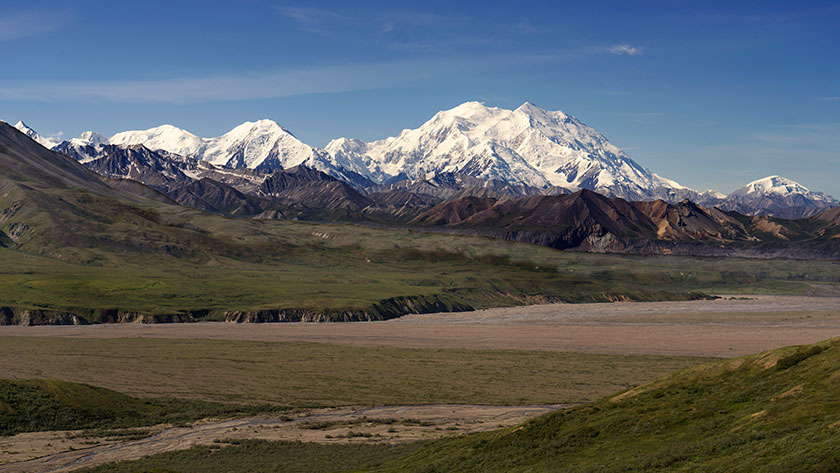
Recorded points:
(165,137)
(48,143)
(775,185)
(527,146)
(264,127)
(90,138)
(778,196)
(258,145)
(472,112)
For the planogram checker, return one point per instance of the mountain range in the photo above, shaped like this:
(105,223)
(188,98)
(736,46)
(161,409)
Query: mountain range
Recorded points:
(471,149)
(51,199)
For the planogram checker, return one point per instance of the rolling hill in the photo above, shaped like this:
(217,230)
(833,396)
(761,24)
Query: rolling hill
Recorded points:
(771,412)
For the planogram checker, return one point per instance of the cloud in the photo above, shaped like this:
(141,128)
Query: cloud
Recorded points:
(804,134)
(525,27)
(25,24)
(314,20)
(646,117)
(277,84)
(830,99)
(625,49)
(577,53)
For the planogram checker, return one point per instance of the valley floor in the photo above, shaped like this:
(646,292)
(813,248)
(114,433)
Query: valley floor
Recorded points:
(462,367)
(730,326)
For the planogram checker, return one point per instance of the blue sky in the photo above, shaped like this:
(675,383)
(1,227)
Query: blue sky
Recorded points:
(711,94)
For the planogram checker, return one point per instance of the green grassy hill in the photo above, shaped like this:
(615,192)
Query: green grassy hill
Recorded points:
(35,405)
(777,411)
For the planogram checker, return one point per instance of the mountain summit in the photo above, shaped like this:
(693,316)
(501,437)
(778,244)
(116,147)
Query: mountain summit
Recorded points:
(779,196)
(528,146)
(45,142)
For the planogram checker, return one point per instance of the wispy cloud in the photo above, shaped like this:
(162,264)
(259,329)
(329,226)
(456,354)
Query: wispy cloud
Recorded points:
(830,99)
(645,117)
(278,84)
(394,24)
(314,20)
(578,53)
(625,49)
(525,27)
(804,134)
(25,24)
(282,83)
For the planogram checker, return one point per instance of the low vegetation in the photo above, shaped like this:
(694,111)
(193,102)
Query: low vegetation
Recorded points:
(34,405)
(357,268)
(324,375)
(258,456)
(772,412)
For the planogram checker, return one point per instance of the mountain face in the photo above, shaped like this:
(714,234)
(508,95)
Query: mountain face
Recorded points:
(778,196)
(49,201)
(165,137)
(590,221)
(447,185)
(45,142)
(528,146)
(262,145)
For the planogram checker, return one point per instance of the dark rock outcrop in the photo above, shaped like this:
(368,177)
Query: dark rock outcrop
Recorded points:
(383,310)
(30,317)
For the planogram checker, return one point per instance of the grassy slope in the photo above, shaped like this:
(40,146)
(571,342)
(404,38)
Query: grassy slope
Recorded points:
(255,456)
(38,404)
(355,267)
(314,374)
(772,412)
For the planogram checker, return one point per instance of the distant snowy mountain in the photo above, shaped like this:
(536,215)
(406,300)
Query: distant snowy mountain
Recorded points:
(45,142)
(165,137)
(778,196)
(90,138)
(527,146)
(260,145)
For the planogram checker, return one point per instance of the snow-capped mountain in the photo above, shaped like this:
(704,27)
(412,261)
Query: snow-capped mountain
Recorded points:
(165,137)
(260,145)
(90,138)
(43,141)
(257,145)
(527,146)
(778,196)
